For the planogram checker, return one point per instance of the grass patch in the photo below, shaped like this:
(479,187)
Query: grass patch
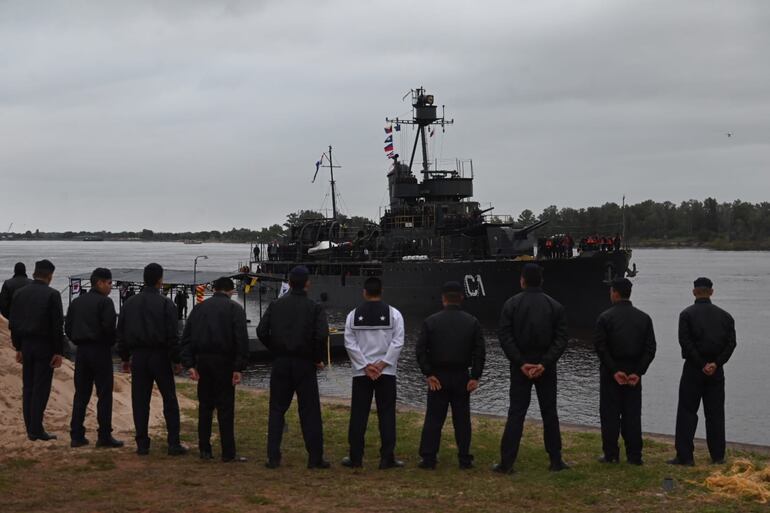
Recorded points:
(121,481)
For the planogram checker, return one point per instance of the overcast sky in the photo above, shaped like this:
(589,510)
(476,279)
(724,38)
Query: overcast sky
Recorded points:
(210,114)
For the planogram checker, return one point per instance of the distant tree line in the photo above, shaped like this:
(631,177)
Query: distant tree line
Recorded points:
(735,225)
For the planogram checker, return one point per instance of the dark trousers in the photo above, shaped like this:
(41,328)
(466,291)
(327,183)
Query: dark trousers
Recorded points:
(384,391)
(520,395)
(216,391)
(693,387)
(93,366)
(454,392)
(290,375)
(148,367)
(37,375)
(620,410)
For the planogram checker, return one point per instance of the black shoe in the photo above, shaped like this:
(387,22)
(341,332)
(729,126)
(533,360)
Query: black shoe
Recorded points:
(684,463)
(720,461)
(43,437)
(502,469)
(349,463)
(392,463)
(236,459)
(320,464)
(177,450)
(636,461)
(206,455)
(143,451)
(272,464)
(427,465)
(608,459)
(466,465)
(109,443)
(79,442)
(558,466)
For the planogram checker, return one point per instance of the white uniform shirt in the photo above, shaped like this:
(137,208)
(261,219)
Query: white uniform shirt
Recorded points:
(372,344)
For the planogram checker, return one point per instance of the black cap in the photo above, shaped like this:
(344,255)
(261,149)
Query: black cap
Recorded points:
(299,272)
(101,273)
(623,287)
(703,283)
(44,267)
(452,287)
(19,268)
(224,284)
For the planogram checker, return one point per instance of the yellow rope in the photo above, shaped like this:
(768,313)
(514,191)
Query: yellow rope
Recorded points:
(743,481)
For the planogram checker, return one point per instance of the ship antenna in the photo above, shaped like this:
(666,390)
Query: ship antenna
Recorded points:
(331,167)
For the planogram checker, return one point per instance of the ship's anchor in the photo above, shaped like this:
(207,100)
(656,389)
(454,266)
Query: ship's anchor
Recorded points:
(630,273)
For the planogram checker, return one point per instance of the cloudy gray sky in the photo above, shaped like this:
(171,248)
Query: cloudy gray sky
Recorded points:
(210,114)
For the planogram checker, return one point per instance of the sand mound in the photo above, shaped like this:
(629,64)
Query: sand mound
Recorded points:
(13,437)
(742,481)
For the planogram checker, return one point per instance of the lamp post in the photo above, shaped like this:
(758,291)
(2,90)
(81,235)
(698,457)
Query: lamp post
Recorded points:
(195,271)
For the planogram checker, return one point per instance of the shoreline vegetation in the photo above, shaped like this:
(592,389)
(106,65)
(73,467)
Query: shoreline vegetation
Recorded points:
(733,226)
(105,480)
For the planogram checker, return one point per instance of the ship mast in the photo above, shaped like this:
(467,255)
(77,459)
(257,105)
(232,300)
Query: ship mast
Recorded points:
(331,167)
(423,114)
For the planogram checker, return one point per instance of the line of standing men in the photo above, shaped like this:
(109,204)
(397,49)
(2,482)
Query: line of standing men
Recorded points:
(450,352)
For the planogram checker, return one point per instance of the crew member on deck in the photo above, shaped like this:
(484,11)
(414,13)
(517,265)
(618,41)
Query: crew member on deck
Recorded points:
(533,335)
(295,330)
(215,347)
(90,325)
(625,342)
(374,336)
(36,324)
(450,343)
(180,300)
(148,336)
(707,337)
(10,286)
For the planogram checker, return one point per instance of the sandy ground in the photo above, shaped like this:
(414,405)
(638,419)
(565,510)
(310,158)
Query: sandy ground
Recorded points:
(13,437)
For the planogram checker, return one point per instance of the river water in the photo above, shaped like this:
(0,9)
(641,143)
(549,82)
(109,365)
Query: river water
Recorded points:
(662,289)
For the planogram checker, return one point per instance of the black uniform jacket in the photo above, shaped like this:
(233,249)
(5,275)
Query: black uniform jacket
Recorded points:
(706,334)
(624,339)
(295,325)
(37,317)
(533,328)
(451,339)
(91,320)
(148,320)
(217,326)
(9,288)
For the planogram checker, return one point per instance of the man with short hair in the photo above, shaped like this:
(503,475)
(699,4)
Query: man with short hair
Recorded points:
(533,335)
(374,337)
(215,348)
(10,286)
(180,300)
(707,337)
(625,342)
(36,324)
(90,325)
(295,330)
(450,343)
(148,344)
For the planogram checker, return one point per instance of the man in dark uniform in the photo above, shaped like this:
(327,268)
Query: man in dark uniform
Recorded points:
(36,324)
(450,343)
(180,300)
(90,325)
(148,337)
(625,342)
(707,337)
(374,337)
(10,286)
(295,330)
(215,347)
(533,335)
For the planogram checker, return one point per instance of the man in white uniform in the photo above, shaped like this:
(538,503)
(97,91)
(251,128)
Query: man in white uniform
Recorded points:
(374,336)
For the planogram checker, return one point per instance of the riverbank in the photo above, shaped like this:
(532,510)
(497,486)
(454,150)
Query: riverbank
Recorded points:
(716,244)
(100,480)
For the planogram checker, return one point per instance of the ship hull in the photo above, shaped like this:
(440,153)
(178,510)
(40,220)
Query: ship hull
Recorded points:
(580,284)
